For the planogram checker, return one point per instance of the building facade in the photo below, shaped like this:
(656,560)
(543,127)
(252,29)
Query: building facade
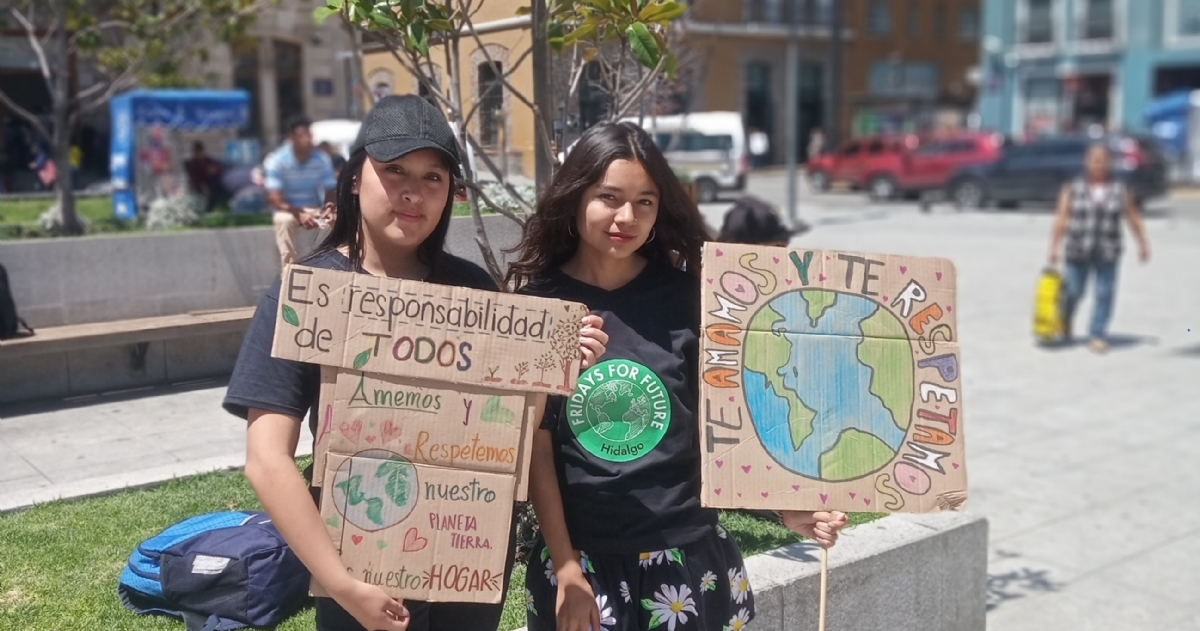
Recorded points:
(1052,66)
(905,64)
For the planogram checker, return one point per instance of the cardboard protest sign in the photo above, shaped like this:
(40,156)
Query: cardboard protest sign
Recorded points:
(430,397)
(406,328)
(830,381)
(420,532)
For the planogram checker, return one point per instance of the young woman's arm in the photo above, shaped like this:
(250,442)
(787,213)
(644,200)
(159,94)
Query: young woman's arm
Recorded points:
(1139,228)
(271,468)
(576,606)
(1060,222)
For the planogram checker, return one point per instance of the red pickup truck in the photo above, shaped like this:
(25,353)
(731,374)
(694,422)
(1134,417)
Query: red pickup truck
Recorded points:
(891,167)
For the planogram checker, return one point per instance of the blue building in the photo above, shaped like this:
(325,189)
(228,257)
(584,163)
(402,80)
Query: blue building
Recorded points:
(1048,66)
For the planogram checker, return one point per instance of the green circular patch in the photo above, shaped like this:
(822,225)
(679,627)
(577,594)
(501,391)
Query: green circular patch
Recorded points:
(620,410)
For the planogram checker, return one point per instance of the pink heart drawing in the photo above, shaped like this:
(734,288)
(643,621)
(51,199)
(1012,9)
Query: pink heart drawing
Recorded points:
(885,299)
(351,430)
(371,439)
(408,450)
(413,541)
(388,431)
(853,495)
(746,468)
(824,498)
(739,494)
(788,281)
(775,258)
(867,501)
(903,269)
(719,252)
(357,539)
(731,399)
(795,487)
(717,491)
(949,308)
(954,464)
(769,467)
(939,275)
(827,258)
(937,407)
(765,494)
(720,463)
(821,277)
(710,281)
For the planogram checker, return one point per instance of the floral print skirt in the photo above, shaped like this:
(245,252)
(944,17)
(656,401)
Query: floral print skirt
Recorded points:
(701,586)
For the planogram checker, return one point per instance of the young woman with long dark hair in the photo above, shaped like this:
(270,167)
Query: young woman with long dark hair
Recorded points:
(615,477)
(394,203)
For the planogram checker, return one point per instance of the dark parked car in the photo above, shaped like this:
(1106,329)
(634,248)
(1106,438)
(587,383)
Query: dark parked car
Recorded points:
(1036,171)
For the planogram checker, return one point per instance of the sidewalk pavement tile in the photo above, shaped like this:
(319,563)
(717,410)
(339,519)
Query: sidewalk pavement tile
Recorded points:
(1172,570)
(1089,604)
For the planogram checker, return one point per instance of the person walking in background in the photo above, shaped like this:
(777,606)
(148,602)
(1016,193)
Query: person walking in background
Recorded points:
(300,187)
(43,165)
(204,175)
(760,146)
(1090,209)
(816,142)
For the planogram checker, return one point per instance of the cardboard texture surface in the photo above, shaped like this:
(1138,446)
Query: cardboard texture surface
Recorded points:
(830,381)
(420,532)
(429,400)
(412,329)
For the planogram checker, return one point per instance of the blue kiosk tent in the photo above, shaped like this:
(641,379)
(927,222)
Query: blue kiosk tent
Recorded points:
(1174,119)
(136,112)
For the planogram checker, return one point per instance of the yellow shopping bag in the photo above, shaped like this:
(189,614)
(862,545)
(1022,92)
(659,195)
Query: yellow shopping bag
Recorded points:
(1047,307)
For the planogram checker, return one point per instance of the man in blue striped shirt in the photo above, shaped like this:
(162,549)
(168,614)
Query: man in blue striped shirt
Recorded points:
(300,187)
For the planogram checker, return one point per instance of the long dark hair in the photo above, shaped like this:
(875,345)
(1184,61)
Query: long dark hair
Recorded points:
(550,240)
(347,227)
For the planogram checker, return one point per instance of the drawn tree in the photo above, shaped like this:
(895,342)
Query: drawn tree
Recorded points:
(492,370)
(521,369)
(565,342)
(544,363)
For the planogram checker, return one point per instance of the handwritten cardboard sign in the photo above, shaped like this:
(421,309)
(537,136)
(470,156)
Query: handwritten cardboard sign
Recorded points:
(423,532)
(430,397)
(411,329)
(830,381)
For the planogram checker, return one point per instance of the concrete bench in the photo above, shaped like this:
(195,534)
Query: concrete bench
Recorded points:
(96,357)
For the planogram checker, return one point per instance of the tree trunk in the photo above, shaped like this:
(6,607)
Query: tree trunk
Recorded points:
(542,96)
(62,123)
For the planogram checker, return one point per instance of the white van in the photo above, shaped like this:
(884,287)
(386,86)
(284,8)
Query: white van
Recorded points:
(708,147)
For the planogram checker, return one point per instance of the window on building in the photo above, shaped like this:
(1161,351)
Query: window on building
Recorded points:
(1187,22)
(1039,21)
(879,19)
(245,77)
(1098,19)
(289,79)
(759,113)
(916,78)
(769,11)
(968,23)
(914,20)
(939,21)
(491,103)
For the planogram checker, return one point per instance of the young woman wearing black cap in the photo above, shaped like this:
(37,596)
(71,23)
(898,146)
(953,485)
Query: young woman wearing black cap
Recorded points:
(394,202)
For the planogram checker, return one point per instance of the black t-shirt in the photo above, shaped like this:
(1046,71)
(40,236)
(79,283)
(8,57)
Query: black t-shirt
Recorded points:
(627,442)
(290,387)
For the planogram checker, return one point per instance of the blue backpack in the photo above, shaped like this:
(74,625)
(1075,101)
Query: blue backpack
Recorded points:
(217,572)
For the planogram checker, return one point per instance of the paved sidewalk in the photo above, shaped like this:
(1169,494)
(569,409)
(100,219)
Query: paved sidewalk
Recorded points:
(103,443)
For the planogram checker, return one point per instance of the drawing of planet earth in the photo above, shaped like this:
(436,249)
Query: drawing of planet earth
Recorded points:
(621,410)
(376,489)
(829,382)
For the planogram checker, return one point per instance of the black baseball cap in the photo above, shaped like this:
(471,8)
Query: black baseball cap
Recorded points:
(754,221)
(399,125)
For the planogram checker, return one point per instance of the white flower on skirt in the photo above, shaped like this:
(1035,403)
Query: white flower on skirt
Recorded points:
(658,557)
(606,613)
(586,564)
(708,582)
(721,532)
(670,606)
(625,592)
(739,586)
(739,622)
(550,573)
(529,602)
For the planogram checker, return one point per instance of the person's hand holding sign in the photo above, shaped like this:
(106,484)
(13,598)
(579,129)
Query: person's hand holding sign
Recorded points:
(592,340)
(371,607)
(820,526)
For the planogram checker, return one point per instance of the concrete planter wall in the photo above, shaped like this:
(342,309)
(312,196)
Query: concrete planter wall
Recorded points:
(58,282)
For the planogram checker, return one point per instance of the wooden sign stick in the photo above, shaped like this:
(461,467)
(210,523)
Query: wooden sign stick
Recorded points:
(824,587)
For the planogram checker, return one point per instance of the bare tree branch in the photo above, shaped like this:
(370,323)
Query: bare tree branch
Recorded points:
(99,27)
(639,90)
(474,186)
(25,114)
(496,86)
(503,181)
(38,49)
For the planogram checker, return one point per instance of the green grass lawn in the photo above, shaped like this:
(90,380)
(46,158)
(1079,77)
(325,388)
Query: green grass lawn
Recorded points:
(26,211)
(59,562)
